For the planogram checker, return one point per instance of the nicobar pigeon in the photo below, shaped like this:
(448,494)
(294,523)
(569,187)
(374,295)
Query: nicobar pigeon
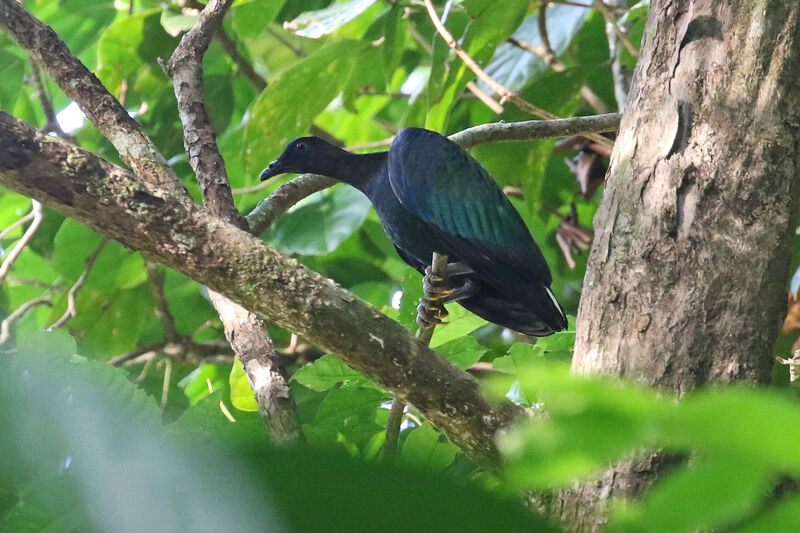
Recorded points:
(431,195)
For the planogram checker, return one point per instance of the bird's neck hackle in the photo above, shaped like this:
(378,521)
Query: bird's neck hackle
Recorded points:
(356,169)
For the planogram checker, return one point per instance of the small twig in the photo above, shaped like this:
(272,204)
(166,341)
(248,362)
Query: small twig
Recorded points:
(424,334)
(5,326)
(472,87)
(229,45)
(14,225)
(181,350)
(70,312)
(536,129)
(155,278)
(505,93)
(622,35)
(548,55)
(165,386)
(46,103)
(619,78)
(299,52)
(36,221)
(549,58)
(28,281)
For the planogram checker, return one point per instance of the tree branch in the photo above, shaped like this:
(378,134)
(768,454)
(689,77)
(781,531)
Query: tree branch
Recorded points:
(276,204)
(536,129)
(188,239)
(185,67)
(246,332)
(105,111)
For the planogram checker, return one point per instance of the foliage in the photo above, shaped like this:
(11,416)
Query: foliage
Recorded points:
(733,444)
(84,449)
(359,70)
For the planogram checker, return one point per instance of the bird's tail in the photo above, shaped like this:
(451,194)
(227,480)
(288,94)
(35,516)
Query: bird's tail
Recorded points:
(549,310)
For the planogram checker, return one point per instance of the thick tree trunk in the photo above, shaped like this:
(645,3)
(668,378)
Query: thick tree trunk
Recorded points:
(687,275)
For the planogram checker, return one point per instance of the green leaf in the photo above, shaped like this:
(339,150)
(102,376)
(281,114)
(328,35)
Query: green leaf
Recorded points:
(77,22)
(315,24)
(708,492)
(326,373)
(411,288)
(783,516)
(176,22)
(242,396)
(492,23)
(394,40)
(519,357)
(196,384)
(141,33)
(250,18)
(739,422)
(287,107)
(425,449)
(459,323)
(349,411)
(12,68)
(318,224)
(462,352)
(514,67)
(73,243)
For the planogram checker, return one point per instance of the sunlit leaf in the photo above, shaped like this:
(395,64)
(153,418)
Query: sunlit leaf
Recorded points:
(315,24)
(241,392)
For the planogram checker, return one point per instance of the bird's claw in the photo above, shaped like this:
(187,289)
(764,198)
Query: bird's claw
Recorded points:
(434,287)
(429,313)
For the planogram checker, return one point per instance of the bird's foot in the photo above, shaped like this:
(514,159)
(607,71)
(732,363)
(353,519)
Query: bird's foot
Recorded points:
(430,313)
(434,287)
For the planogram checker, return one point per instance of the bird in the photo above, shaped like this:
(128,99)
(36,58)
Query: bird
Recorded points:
(431,195)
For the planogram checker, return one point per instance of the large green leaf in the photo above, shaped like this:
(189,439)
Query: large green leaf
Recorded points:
(251,17)
(287,107)
(326,373)
(77,22)
(320,223)
(315,24)
(514,67)
(131,44)
(12,68)
(349,411)
(425,449)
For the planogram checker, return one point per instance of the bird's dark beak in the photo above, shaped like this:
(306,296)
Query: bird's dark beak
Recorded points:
(272,170)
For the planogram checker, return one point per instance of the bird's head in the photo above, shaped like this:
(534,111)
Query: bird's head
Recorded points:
(305,154)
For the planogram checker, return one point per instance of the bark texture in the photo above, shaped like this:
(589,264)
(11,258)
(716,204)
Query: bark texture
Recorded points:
(686,278)
(232,262)
(105,111)
(246,331)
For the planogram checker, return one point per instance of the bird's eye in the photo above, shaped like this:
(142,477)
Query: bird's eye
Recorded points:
(300,147)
